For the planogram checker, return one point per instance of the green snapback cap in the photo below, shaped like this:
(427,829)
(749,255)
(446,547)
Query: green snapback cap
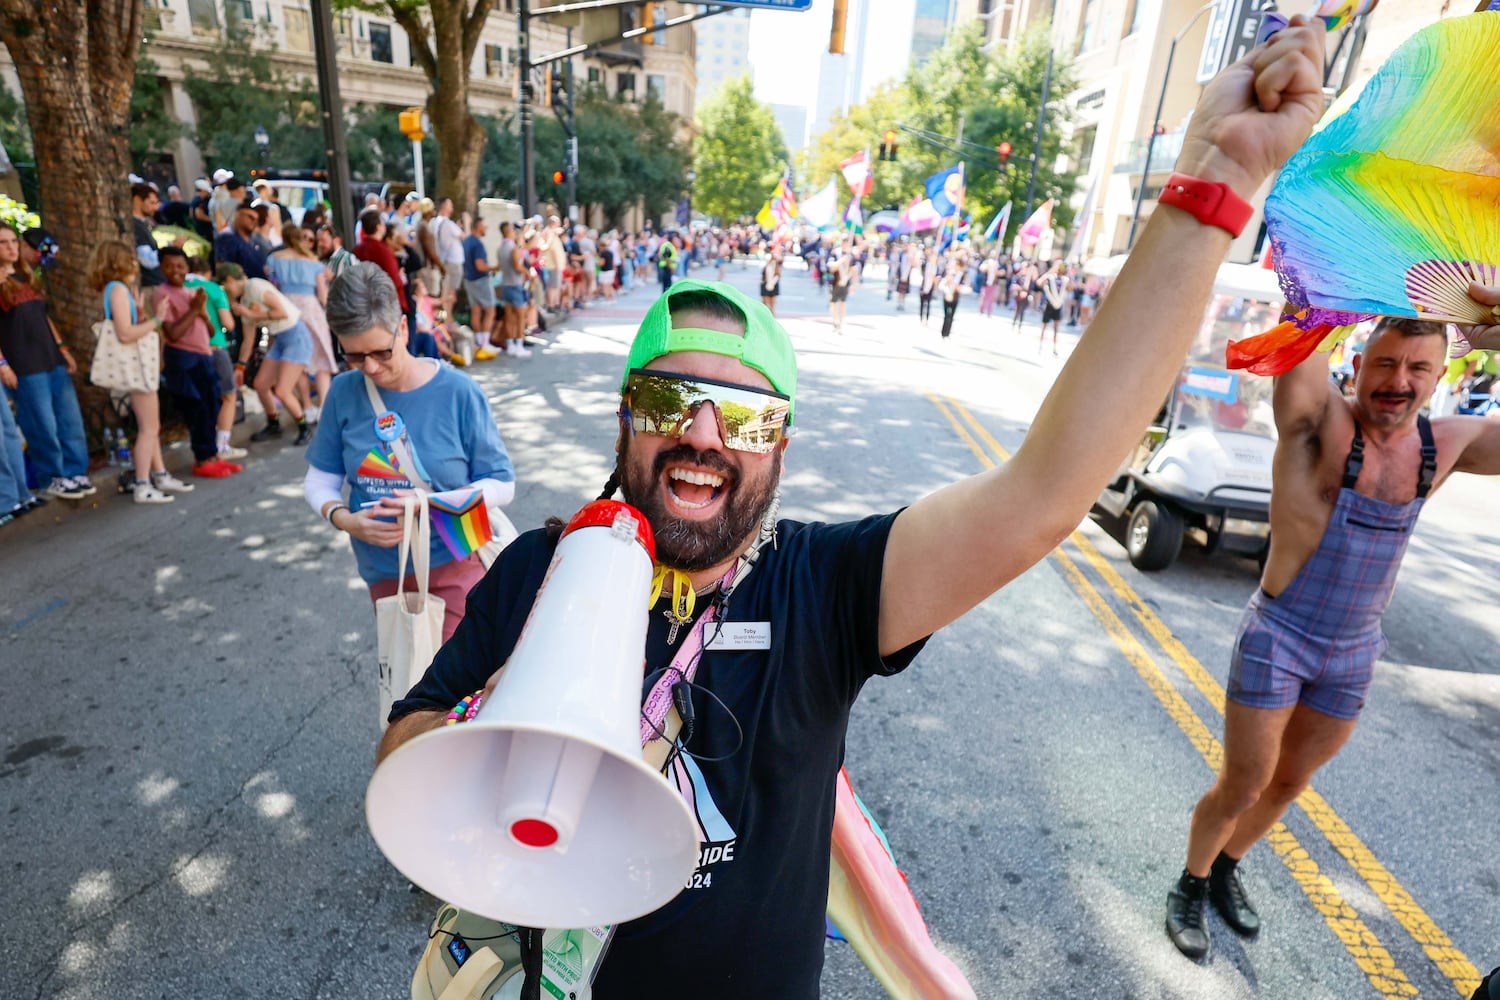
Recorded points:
(764,346)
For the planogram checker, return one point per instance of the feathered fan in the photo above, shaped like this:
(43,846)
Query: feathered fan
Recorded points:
(1393,206)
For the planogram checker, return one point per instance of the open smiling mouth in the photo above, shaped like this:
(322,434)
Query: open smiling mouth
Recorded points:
(692,490)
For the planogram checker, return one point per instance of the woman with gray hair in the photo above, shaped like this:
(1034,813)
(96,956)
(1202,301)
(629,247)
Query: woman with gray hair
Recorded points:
(394,423)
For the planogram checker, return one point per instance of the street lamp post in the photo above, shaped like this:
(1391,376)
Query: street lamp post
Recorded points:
(1161,100)
(691,176)
(263,143)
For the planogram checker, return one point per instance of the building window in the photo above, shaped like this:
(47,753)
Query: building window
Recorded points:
(298,29)
(343,24)
(594,77)
(657,84)
(1133,18)
(380,42)
(204,17)
(1086,139)
(1088,28)
(625,85)
(659,16)
(494,60)
(238,10)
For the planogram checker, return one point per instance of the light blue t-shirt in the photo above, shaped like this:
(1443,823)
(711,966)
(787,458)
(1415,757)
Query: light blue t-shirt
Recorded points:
(449,429)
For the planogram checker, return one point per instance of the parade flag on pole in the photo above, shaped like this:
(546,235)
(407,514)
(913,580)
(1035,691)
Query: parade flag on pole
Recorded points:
(819,209)
(945,189)
(1040,222)
(997,225)
(857,175)
(1081,224)
(854,218)
(919,215)
(764,219)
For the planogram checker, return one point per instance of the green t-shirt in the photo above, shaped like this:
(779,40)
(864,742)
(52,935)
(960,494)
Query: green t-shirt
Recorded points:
(217,300)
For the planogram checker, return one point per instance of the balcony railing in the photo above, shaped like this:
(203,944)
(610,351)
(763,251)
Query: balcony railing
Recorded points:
(1163,154)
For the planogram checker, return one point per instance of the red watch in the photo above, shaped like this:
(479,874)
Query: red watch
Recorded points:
(1210,203)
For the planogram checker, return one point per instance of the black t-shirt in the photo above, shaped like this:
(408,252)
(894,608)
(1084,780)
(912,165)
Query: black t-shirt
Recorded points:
(750,925)
(26,340)
(204,229)
(150,276)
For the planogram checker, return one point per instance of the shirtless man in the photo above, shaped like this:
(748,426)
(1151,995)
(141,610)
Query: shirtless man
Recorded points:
(1350,478)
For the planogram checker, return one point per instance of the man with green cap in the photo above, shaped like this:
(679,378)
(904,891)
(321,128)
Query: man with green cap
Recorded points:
(708,399)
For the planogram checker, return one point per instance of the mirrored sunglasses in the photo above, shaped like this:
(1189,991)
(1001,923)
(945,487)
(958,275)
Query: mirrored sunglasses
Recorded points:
(750,420)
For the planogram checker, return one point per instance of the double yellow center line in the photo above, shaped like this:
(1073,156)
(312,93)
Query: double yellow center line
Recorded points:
(1371,956)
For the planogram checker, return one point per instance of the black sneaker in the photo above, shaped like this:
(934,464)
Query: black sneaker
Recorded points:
(1227,894)
(266,433)
(1185,923)
(304,434)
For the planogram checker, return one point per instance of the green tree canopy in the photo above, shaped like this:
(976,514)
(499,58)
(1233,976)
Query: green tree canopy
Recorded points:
(153,129)
(995,96)
(242,90)
(739,154)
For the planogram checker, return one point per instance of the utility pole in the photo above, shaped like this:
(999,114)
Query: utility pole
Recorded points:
(571,208)
(524,104)
(325,45)
(1036,143)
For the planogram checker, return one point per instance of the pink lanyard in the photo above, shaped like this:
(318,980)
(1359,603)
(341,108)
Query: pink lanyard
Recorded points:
(684,667)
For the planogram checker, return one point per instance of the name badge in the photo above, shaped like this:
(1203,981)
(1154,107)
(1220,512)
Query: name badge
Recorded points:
(736,636)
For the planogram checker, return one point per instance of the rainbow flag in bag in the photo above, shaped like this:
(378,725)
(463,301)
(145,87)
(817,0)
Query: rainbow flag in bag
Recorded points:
(463,523)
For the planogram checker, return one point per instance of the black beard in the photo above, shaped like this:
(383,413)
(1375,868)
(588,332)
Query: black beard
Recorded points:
(692,546)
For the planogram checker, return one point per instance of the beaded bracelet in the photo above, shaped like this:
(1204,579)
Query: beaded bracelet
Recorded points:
(466,709)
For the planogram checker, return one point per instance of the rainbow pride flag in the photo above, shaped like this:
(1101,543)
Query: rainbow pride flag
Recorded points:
(463,524)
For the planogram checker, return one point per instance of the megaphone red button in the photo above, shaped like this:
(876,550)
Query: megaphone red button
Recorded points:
(534,832)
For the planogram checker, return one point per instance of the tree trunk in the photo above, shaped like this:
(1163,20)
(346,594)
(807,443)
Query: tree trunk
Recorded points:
(443,44)
(76,61)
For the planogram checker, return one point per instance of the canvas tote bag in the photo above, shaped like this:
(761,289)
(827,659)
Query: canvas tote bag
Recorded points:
(408,625)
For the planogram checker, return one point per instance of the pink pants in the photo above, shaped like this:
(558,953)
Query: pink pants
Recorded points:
(987,299)
(450,581)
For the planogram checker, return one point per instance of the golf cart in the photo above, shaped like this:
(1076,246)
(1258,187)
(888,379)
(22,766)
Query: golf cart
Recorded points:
(1203,470)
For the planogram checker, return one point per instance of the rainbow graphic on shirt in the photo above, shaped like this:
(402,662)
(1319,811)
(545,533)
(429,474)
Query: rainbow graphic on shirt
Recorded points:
(377,465)
(463,525)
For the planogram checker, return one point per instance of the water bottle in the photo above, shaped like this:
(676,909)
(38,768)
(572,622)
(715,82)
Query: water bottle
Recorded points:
(122,452)
(109,445)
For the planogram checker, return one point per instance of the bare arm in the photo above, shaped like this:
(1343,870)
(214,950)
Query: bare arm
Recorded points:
(408,727)
(952,549)
(1302,396)
(1481,446)
(119,315)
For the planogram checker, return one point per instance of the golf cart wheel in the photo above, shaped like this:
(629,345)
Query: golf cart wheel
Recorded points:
(1153,538)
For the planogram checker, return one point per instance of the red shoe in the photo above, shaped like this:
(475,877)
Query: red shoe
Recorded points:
(216,469)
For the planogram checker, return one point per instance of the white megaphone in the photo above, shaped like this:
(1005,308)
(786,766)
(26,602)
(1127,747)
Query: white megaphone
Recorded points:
(540,811)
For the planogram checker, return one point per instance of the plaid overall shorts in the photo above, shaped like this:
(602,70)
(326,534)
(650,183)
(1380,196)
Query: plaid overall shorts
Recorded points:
(1318,640)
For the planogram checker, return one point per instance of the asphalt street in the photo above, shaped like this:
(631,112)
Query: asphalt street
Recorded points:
(190,715)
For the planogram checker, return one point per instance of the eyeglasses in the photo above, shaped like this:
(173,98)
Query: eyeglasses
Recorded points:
(665,404)
(356,359)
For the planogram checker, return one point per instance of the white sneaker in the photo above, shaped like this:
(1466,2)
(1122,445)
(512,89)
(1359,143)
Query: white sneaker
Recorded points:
(168,483)
(82,483)
(232,454)
(311,413)
(146,493)
(515,350)
(64,488)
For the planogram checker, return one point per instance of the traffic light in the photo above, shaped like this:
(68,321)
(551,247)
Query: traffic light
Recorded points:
(888,147)
(1004,151)
(648,18)
(557,87)
(412,125)
(558,176)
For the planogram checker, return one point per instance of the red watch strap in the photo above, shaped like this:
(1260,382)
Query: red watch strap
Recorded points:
(1211,203)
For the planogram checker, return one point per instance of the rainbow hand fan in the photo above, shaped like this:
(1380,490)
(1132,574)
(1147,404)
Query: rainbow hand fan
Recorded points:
(463,523)
(1393,206)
